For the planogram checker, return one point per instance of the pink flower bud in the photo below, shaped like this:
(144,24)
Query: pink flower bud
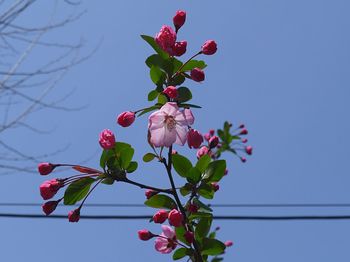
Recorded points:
(211,132)
(189,237)
(192,208)
(150,193)
(45,168)
(194,138)
(207,136)
(209,47)
(203,151)
(171,92)
(244,140)
(249,150)
(144,234)
(125,119)
(74,215)
(175,218)
(179,48)
(213,141)
(197,74)
(241,126)
(243,159)
(215,186)
(107,139)
(179,19)
(243,132)
(166,39)
(160,216)
(49,207)
(49,188)
(228,243)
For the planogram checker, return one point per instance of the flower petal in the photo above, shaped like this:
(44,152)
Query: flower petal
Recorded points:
(189,116)
(181,135)
(156,120)
(168,231)
(170,108)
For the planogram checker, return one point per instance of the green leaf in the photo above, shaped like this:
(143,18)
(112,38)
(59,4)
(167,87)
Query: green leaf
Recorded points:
(77,190)
(180,253)
(177,80)
(203,163)
(105,156)
(206,191)
(125,157)
(162,99)
(200,215)
(180,232)
(132,167)
(148,157)
(150,40)
(193,175)
(212,234)
(215,170)
(194,63)
(161,201)
(152,95)
(184,94)
(157,75)
(108,181)
(181,164)
(201,205)
(185,190)
(212,247)
(155,60)
(202,228)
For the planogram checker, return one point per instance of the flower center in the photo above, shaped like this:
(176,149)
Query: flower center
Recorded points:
(170,122)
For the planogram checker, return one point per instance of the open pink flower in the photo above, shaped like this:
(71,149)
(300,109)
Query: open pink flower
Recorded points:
(168,125)
(166,242)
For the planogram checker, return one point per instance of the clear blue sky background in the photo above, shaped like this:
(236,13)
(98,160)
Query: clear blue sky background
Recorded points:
(282,69)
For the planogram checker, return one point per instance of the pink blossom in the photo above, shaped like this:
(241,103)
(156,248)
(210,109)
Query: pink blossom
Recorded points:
(213,141)
(160,216)
(203,151)
(207,136)
(175,218)
(171,92)
(228,243)
(168,125)
(150,193)
(74,215)
(189,116)
(166,39)
(197,74)
(107,139)
(125,119)
(179,48)
(194,138)
(166,242)
(49,188)
(49,207)
(209,47)
(45,168)
(249,150)
(244,132)
(179,19)
(144,234)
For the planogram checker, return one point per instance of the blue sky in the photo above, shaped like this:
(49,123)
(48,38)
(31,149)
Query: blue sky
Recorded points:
(282,68)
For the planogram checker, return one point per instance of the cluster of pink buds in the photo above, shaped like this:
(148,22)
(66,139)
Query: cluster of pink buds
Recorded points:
(174,217)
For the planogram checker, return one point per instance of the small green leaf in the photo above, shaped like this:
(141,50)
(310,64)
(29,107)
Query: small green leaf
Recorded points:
(132,167)
(155,60)
(215,170)
(152,95)
(148,157)
(201,205)
(189,105)
(212,247)
(105,156)
(125,157)
(180,253)
(185,190)
(194,63)
(206,191)
(162,99)
(149,109)
(161,201)
(181,164)
(157,75)
(184,94)
(193,175)
(202,228)
(212,234)
(154,45)
(200,215)
(177,80)
(77,190)
(203,163)
(108,181)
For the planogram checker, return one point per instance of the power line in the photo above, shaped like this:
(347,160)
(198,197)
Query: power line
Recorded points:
(134,217)
(259,205)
